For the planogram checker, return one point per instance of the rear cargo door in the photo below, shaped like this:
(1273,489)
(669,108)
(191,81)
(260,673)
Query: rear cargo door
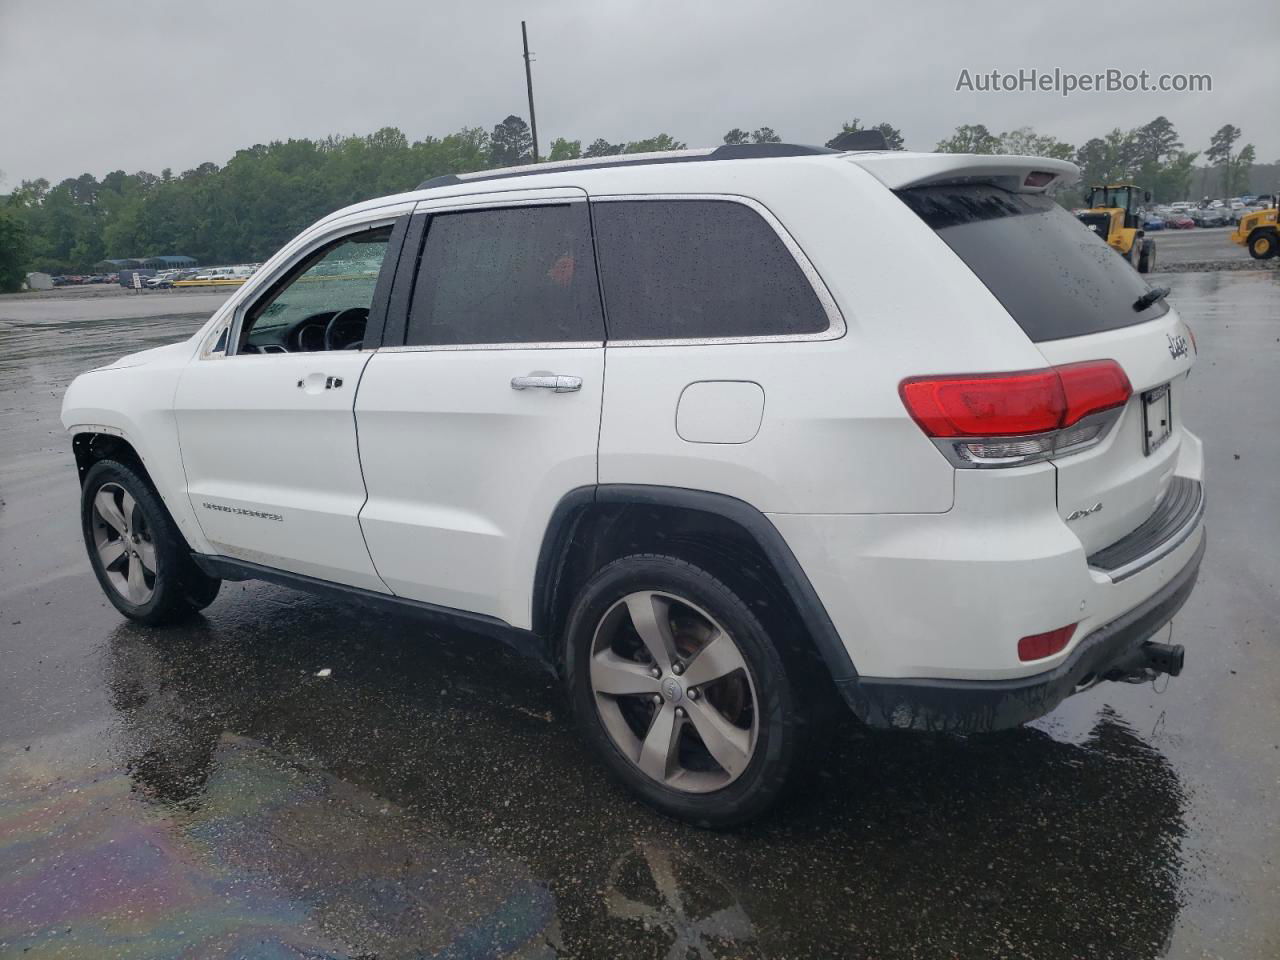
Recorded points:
(1112,488)
(1078,300)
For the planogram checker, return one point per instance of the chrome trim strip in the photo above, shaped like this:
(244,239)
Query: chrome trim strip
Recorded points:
(1160,552)
(835,319)
(552,345)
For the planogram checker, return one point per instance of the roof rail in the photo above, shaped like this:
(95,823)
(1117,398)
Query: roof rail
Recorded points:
(735,151)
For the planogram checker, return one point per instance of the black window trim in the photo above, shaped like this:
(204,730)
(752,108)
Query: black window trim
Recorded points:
(836,328)
(401,300)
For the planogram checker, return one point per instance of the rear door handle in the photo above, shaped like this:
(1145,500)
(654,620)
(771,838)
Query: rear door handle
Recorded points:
(555,383)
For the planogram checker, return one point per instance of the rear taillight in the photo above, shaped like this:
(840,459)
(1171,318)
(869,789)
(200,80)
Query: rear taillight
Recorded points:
(1041,645)
(1008,419)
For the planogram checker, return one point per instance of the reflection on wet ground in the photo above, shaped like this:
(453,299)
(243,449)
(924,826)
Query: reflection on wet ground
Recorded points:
(201,792)
(407,802)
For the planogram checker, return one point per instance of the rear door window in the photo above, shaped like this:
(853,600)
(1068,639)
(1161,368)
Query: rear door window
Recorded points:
(1053,274)
(684,269)
(507,276)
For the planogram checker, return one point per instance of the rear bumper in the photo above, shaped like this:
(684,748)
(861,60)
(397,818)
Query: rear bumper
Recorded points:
(975,706)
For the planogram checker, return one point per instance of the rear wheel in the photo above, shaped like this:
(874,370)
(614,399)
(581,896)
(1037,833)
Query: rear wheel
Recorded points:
(1147,258)
(676,685)
(136,551)
(1262,244)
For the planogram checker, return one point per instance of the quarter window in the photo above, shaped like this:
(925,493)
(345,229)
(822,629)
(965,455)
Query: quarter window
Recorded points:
(512,275)
(681,269)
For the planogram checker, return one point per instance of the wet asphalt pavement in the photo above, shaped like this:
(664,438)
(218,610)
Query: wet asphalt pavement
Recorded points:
(200,792)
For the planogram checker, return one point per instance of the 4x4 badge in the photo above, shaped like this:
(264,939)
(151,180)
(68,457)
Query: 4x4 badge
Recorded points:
(1177,345)
(1076,515)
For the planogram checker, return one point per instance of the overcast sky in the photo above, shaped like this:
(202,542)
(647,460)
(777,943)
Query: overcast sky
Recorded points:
(91,86)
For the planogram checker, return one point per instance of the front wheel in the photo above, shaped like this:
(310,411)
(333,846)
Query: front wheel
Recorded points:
(1262,245)
(136,551)
(676,685)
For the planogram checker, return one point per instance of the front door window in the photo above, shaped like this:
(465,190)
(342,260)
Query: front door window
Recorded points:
(323,304)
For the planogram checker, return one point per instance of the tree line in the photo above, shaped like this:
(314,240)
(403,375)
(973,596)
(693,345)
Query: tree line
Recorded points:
(1151,155)
(250,206)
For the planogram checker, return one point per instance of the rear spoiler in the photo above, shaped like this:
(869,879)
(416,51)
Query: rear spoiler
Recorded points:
(897,171)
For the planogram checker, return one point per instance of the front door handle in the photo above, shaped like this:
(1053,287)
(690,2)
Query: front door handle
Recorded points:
(315,382)
(557,384)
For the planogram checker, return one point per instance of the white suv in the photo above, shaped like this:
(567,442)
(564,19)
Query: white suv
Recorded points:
(710,432)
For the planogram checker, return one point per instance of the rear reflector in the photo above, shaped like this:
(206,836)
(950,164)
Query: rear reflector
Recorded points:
(1041,645)
(1011,404)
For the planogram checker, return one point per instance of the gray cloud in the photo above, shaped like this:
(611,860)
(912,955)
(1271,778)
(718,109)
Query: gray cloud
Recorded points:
(145,85)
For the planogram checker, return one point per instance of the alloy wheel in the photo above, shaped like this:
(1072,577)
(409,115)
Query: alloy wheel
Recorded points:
(122,539)
(674,692)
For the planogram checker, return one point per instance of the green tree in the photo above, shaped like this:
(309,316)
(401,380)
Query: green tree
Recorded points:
(970,138)
(14,252)
(1173,177)
(1219,155)
(654,145)
(1025,142)
(765,135)
(1240,169)
(736,137)
(562,149)
(511,143)
(603,148)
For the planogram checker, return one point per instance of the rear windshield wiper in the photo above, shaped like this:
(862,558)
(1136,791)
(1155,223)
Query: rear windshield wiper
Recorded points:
(1154,295)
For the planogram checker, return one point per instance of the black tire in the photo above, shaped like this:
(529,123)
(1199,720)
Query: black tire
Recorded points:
(778,724)
(177,587)
(1264,244)
(1147,258)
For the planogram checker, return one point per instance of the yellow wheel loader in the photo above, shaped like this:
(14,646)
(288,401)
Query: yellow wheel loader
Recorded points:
(1114,214)
(1259,233)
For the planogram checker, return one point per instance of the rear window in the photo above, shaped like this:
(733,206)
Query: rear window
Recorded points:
(1055,276)
(680,269)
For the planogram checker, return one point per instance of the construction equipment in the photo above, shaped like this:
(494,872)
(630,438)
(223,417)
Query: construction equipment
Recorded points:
(1115,215)
(1259,232)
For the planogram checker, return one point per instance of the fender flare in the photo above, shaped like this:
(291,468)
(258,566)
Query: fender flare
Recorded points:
(563,523)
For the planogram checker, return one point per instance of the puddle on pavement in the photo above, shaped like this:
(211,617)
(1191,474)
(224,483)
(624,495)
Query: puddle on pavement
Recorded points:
(269,858)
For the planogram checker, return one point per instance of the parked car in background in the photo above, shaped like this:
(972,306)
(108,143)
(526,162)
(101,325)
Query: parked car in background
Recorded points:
(1209,216)
(1153,222)
(166,280)
(407,407)
(1180,221)
(126,276)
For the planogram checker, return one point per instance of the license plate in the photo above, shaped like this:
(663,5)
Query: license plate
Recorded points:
(1157,418)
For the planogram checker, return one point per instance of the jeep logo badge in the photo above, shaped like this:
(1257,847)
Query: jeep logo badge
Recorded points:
(1177,345)
(672,690)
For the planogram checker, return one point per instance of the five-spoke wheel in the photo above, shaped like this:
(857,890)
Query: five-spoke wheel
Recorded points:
(123,541)
(137,553)
(673,691)
(678,686)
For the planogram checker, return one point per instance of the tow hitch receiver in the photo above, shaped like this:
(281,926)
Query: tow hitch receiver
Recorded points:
(1147,661)
(1164,657)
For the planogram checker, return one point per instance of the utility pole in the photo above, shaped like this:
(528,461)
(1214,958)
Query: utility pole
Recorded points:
(528,79)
